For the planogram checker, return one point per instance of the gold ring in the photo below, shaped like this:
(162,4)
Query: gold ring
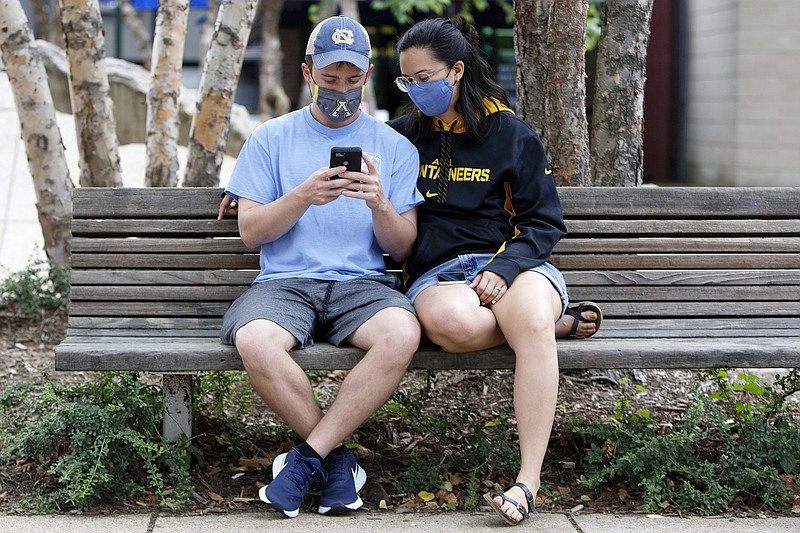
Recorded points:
(361,189)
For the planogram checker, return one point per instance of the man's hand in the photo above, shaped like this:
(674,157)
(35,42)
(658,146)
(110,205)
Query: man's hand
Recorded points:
(228,207)
(325,185)
(367,186)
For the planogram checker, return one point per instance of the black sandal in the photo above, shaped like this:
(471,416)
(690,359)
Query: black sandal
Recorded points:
(489,497)
(576,312)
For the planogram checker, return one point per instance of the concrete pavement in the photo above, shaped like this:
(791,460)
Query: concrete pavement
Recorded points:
(368,521)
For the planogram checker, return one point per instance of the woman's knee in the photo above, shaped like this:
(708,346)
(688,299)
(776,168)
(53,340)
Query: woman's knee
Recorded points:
(450,327)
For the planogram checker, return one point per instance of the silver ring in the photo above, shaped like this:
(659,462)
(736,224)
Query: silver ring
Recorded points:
(496,289)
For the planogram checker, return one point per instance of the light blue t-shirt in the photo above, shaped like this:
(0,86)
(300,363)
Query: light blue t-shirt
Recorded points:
(334,241)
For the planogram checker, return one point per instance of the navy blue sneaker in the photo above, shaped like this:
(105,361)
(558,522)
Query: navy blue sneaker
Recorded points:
(345,479)
(292,473)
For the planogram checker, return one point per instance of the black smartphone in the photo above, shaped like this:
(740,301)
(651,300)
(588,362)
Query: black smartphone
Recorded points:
(347,156)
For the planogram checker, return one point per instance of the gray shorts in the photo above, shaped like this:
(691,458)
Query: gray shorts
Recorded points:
(466,267)
(311,308)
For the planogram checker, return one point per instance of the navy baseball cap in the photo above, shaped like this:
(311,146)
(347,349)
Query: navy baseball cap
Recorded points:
(338,39)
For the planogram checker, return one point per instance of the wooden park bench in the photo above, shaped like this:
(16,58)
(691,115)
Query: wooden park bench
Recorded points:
(686,277)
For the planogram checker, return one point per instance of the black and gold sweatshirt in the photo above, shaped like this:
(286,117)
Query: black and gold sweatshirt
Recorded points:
(501,198)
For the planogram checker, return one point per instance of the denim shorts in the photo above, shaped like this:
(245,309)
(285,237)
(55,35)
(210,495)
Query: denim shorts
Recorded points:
(466,267)
(311,308)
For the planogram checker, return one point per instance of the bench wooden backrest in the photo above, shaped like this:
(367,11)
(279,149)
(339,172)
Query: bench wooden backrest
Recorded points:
(661,262)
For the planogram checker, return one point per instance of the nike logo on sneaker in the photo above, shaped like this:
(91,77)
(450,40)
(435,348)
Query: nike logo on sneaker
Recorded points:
(354,471)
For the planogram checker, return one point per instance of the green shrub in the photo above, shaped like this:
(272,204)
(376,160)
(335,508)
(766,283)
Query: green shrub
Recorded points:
(94,442)
(466,440)
(40,285)
(732,442)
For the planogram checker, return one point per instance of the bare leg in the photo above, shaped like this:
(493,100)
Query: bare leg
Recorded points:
(469,326)
(525,318)
(453,318)
(526,314)
(391,338)
(277,379)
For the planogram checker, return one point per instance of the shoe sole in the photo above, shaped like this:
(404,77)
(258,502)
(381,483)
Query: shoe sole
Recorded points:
(359,479)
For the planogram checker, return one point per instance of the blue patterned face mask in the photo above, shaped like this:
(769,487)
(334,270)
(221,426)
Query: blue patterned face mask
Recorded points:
(337,106)
(432,97)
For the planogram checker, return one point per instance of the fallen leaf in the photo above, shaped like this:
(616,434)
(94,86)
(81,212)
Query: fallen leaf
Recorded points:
(382,505)
(256,462)
(216,497)
(425,496)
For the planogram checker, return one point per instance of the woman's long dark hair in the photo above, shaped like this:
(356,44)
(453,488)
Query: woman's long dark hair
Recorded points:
(451,40)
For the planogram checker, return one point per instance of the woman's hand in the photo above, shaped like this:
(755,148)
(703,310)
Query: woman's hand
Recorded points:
(489,287)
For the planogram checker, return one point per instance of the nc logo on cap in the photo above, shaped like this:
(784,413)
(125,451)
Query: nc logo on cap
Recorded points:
(342,36)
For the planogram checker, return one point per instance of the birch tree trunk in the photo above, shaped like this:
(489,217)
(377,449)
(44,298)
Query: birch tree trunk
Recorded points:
(209,130)
(618,118)
(273,100)
(163,122)
(37,116)
(207,31)
(551,90)
(140,34)
(91,104)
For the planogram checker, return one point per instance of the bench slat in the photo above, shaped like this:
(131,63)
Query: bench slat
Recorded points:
(170,245)
(622,293)
(154,325)
(566,262)
(614,327)
(704,278)
(192,354)
(211,227)
(651,228)
(165,261)
(577,202)
(667,261)
(573,278)
(789,309)
(99,227)
(162,277)
(703,245)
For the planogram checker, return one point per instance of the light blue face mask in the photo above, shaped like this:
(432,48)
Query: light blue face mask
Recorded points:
(337,106)
(432,97)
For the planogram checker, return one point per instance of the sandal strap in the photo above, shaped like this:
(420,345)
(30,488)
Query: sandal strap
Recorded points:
(575,313)
(526,490)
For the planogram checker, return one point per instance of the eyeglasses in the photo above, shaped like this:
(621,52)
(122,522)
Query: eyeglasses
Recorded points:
(404,82)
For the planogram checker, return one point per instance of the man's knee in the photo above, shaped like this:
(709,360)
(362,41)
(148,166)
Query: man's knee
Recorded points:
(260,340)
(398,336)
